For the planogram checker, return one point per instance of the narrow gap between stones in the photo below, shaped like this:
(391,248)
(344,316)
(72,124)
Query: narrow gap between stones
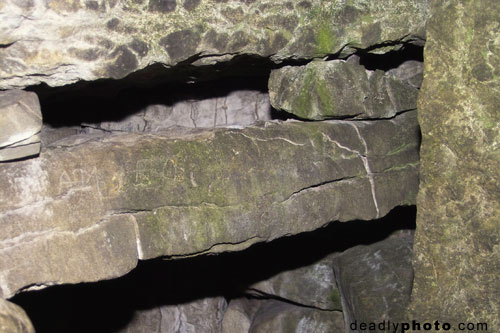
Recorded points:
(108,306)
(84,105)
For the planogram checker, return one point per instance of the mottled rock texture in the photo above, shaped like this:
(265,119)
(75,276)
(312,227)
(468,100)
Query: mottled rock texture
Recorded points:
(236,109)
(87,208)
(13,319)
(63,41)
(265,315)
(312,286)
(375,280)
(457,242)
(275,316)
(20,124)
(203,315)
(339,89)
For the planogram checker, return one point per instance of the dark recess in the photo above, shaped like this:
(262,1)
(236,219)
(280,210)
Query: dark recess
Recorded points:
(108,305)
(391,59)
(113,100)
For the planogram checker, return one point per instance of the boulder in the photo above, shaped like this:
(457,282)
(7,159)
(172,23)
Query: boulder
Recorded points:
(13,319)
(90,206)
(59,42)
(457,252)
(339,89)
(20,124)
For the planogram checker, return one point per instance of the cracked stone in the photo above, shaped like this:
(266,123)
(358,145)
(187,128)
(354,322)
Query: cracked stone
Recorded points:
(60,42)
(275,316)
(90,206)
(375,280)
(203,315)
(339,89)
(20,124)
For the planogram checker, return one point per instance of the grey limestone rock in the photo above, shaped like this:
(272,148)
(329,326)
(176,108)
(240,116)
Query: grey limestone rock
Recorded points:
(59,42)
(313,286)
(89,207)
(457,252)
(410,72)
(20,124)
(375,280)
(276,316)
(264,315)
(237,109)
(339,89)
(199,316)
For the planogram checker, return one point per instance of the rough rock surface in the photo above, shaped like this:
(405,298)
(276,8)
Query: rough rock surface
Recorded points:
(252,315)
(276,316)
(197,316)
(13,319)
(339,89)
(409,72)
(375,280)
(239,315)
(312,286)
(88,208)
(20,124)
(237,109)
(457,251)
(62,41)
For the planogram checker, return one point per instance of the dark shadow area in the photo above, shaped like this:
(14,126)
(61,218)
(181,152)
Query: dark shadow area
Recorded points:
(109,305)
(113,100)
(391,59)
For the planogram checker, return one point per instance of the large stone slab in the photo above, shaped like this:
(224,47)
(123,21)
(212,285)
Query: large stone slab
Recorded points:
(457,251)
(20,124)
(339,89)
(60,42)
(237,108)
(88,208)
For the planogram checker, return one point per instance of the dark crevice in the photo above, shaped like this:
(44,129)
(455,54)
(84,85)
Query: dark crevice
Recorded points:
(391,59)
(113,100)
(260,295)
(4,46)
(318,185)
(107,306)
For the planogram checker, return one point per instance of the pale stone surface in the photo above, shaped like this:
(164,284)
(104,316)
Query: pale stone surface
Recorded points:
(238,315)
(237,109)
(457,251)
(339,89)
(87,208)
(410,72)
(197,316)
(61,41)
(375,280)
(313,286)
(280,317)
(13,319)
(20,124)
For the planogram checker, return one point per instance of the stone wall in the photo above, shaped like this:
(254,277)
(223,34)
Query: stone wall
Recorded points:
(156,155)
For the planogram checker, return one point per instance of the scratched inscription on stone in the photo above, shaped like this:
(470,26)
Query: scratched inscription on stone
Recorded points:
(80,178)
(149,172)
